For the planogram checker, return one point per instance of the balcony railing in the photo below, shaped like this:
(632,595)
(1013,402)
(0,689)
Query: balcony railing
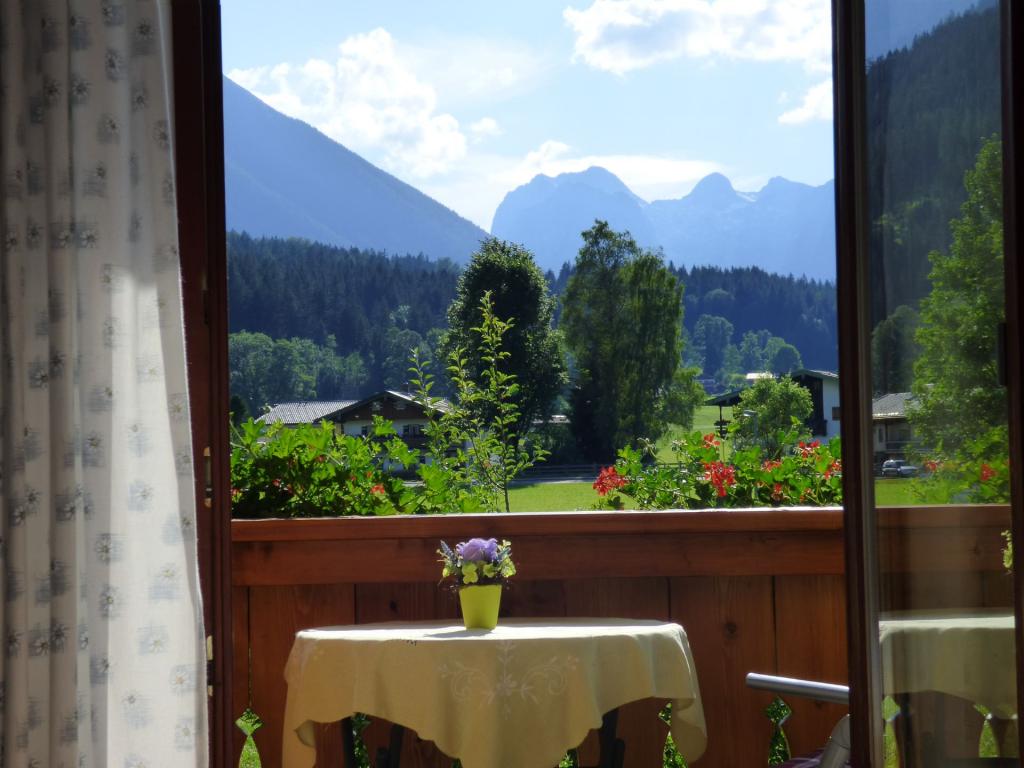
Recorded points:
(756,590)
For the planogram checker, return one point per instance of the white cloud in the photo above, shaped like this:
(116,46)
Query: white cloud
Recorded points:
(469,71)
(623,35)
(817,105)
(485,127)
(369,98)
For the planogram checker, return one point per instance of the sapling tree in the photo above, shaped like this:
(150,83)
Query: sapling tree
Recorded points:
(475,440)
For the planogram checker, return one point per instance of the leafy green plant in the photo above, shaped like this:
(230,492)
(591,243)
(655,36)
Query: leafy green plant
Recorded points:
(313,471)
(778,713)
(475,441)
(248,723)
(806,474)
(670,757)
(473,450)
(977,473)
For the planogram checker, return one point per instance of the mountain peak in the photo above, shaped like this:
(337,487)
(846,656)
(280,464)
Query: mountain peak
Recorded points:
(285,178)
(595,177)
(790,233)
(714,188)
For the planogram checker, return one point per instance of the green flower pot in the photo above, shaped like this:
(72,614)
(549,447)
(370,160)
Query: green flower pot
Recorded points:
(480,605)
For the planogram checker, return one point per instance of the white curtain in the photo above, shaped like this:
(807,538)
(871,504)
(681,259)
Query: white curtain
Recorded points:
(103,657)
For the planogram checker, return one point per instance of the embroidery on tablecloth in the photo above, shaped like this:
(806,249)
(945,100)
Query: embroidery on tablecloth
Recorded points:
(546,678)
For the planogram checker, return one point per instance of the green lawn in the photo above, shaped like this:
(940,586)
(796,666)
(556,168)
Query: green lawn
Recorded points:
(894,492)
(552,497)
(569,497)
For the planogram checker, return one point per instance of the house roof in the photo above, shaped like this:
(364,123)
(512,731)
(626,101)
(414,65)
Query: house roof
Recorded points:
(555,419)
(439,403)
(815,374)
(891,406)
(726,398)
(304,412)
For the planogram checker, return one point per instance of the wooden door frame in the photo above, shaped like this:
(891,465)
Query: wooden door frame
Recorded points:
(853,286)
(199,157)
(200,178)
(1012,25)
(852,301)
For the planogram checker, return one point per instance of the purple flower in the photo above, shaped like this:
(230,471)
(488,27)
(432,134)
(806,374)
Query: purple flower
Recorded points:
(478,550)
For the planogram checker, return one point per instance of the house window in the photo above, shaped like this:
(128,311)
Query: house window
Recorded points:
(364,430)
(835,413)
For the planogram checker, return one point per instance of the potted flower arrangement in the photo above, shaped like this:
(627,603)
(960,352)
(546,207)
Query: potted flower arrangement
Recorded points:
(479,568)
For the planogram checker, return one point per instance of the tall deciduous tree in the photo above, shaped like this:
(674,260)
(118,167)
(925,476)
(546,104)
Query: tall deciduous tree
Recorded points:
(622,317)
(531,348)
(766,412)
(785,358)
(711,336)
(955,378)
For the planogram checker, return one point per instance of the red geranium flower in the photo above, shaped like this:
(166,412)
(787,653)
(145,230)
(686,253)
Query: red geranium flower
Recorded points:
(720,475)
(378,490)
(807,449)
(710,441)
(987,473)
(608,479)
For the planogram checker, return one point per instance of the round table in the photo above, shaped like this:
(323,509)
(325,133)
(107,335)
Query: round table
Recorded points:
(517,696)
(970,654)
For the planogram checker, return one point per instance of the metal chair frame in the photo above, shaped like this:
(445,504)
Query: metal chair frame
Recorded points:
(837,750)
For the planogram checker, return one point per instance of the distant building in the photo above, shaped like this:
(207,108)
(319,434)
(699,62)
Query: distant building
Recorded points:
(303,412)
(824,388)
(355,417)
(891,426)
(554,420)
(823,422)
(400,408)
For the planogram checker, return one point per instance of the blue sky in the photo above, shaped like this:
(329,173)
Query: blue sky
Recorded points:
(467,100)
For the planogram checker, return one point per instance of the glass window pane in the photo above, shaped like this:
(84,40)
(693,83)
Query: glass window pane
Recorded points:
(939,410)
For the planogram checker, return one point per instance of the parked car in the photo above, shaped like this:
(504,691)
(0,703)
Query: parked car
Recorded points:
(898,468)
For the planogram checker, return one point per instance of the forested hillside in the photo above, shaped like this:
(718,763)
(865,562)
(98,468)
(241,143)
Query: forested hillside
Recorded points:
(364,311)
(364,308)
(930,108)
(801,311)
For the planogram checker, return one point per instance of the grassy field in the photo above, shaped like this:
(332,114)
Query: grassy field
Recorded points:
(552,497)
(569,497)
(894,492)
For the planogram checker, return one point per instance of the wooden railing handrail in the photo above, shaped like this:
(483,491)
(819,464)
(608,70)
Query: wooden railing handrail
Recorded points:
(760,520)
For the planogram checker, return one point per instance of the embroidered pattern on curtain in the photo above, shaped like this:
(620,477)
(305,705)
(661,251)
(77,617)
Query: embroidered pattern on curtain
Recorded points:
(103,657)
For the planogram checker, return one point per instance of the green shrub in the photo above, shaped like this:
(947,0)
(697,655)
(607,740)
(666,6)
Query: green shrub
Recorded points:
(313,471)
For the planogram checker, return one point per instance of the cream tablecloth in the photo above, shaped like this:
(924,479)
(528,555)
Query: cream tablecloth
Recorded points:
(965,655)
(518,696)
